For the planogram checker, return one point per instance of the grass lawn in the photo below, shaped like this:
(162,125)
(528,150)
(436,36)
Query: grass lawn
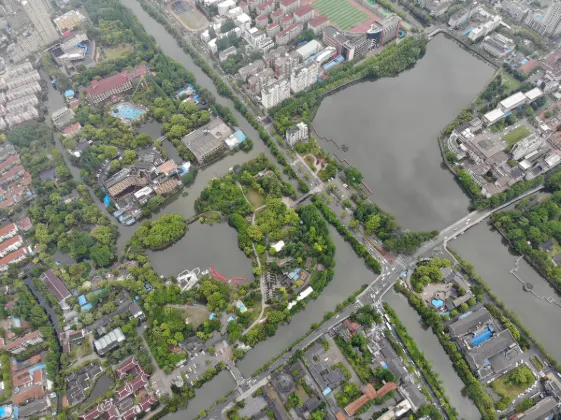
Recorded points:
(256,199)
(340,12)
(195,315)
(509,390)
(310,161)
(112,53)
(516,135)
(509,81)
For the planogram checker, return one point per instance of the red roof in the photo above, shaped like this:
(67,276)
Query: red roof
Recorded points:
(340,416)
(352,326)
(294,26)
(9,305)
(387,387)
(287,2)
(127,366)
(6,203)
(10,242)
(29,394)
(265,5)
(11,172)
(262,17)
(11,257)
(317,21)
(273,25)
(72,129)
(7,229)
(277,13)
(107,84)
(304,10)
(148,402)
(25,223)
(9,161)
(138,71)
(287,17)
(16,343)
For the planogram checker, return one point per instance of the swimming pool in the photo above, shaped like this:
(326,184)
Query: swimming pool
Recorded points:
(437,303)
(127,112)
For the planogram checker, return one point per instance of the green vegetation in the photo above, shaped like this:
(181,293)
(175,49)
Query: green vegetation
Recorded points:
(519,133)
(341,12)
(428,272)
(535,360)
(118,51)
(424,365)
(367,316)
(528,227)
(512,384)
(5,375)
(160,233)
(349,392)
(524,405)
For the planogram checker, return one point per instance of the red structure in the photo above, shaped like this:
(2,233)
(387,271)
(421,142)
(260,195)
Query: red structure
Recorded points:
(224,279)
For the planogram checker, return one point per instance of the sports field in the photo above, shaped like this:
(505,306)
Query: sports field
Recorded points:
(189,16)
(340,12)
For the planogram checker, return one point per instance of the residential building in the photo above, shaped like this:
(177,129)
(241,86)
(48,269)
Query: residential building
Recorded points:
(516,9)
(261,21)
(266,8)
(285,65)
(207,142)
(435,7)
(8,231)
(251,69)
(253,4)
(498,45)
(13,258)
(39,13)
(275,92)
(255,83)
(273,29)
(68,21)
(72,130)
(318,23)
(62,117)
(545,409)
(304,13)
(304,76)
(297,133)
(78,382)
(546,23)
(286,20)
(271,56)
(243,21)
(100,90)
(55,285)
(277,15)
(20,344)
(109,341)
(289,5)
(228,52)
(459,18)
(526,146)
(10,245)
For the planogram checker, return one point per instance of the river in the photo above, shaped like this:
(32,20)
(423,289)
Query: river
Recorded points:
(201,246)
(390,137)
(434,353)
(486,250)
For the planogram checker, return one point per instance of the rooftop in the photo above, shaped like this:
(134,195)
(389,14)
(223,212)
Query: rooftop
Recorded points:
(55,285)
(469,322)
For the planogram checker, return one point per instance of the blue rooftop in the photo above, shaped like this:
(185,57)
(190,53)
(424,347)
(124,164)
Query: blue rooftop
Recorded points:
(326,391)
(87,307)
(230,319)
(239,135)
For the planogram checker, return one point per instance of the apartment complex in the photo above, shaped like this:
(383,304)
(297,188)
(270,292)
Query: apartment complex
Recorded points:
(297,133)
(39,13)
(274,93)
(546,23)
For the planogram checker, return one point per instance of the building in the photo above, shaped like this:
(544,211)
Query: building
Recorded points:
(272,29)
(545,409)
(459,18)
(334,38)
(297,133)
(546,23)
(380,33)
(485,28)
(289,5)
(488,350)
(286,20)
(526,146)
(10,245)
(39,14)
(100,90)
(19,345)
(266,8)
(228,52)
(109,341)
(78,382)
(304,13)
(68,21)
(318,23)
(62,117)
(13,258)
(255,83)
(498,45)
(435,7)
(261,21)
(310,48)
(8,231)
(369,393)
(274,93)
(55,285)
(207,142)
(515,9)
(304,76)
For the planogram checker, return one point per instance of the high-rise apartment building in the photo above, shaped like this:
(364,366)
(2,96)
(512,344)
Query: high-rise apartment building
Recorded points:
(274,93)
(39,12)
(304,76)
(548,23)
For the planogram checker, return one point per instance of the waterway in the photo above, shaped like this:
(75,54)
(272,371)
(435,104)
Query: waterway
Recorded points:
(206,396)
(390,127)
(490,255)
(434,353)
(201,246)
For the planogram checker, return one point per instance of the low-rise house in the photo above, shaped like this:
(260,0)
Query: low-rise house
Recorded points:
(109,341)
(78,382)
(21,344)
(55,285)
(13,258)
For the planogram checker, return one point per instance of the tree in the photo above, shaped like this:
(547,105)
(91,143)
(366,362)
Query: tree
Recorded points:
(101,255)
(353,176)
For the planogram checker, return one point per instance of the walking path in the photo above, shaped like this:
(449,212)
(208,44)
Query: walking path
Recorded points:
(528,286)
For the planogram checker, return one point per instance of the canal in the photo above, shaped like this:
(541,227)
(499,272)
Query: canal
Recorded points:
(489,253)
(435,354)
(201,246)
(390,127)
(206,396)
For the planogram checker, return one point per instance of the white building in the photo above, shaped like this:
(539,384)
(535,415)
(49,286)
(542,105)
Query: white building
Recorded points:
(526,146)
(39,13)
(309,49)
(62,117)
(498,45)
(547,23)
(297,133)
(69,20)
(243,21)
(225,6)
(515,9)
(485,29)
(274,93)
(513,101)
(304,76)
